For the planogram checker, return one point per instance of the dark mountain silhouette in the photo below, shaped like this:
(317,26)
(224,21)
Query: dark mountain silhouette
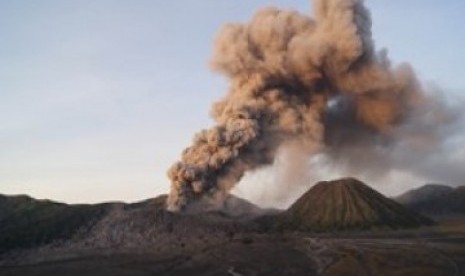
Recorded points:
(435,199)
(26,222)
(347,204)
(423,193)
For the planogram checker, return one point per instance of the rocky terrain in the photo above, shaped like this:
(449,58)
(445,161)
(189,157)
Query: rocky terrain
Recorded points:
(115,227)
(336,227)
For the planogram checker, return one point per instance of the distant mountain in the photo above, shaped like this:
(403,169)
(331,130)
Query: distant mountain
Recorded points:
(347,204)
(435,199)
(426,192)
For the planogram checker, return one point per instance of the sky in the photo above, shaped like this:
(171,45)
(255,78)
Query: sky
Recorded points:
(98,98)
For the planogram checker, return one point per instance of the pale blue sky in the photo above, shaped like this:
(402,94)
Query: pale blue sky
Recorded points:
(99,97)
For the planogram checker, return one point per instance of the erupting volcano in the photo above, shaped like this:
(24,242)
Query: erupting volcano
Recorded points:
(310,98)
(314,81)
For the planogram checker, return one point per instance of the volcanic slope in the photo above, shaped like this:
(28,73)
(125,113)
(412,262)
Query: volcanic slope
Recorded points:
(57,230)
(435,199)
(346,204)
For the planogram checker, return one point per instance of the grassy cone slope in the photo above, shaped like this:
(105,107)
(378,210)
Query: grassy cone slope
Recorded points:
(347,204)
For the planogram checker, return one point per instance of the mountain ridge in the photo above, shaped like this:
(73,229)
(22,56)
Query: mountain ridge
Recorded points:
(435,199)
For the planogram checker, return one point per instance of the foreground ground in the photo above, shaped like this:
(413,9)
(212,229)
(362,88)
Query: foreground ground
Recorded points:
(438,250)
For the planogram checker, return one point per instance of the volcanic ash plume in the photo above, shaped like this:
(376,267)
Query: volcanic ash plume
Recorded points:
(290,77)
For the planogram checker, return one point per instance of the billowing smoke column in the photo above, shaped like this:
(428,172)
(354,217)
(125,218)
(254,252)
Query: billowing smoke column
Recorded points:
(317,81)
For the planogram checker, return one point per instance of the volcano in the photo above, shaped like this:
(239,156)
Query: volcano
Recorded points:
(347,204)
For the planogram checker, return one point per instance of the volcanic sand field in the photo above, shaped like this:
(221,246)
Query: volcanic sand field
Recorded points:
(290,254)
